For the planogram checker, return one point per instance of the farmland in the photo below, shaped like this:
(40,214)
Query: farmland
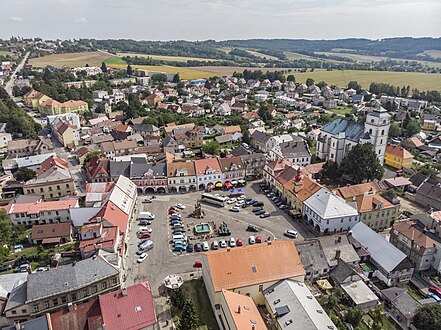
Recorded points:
(5,53)
(167,58)
(75,59)
(433,53)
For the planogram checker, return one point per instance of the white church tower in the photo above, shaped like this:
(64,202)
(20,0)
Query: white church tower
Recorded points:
(377,125)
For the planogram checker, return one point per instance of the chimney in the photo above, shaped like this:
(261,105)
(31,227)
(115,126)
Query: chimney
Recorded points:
(18,325)
(337,254)
(253,326)
(338,239)
(238,309)
(124,292)
(269,242)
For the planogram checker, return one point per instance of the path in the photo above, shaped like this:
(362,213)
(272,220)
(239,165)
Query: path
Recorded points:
(10,84)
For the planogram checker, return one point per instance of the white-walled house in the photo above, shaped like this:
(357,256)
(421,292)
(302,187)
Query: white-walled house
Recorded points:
(329,213)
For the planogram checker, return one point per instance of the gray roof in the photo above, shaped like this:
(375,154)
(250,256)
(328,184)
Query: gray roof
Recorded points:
(239,151)
(433,191)
(260,136)
(148,128)
(39,323)
(330,206)
(68,278)
(8,282)
(17,297)
(224,138)
(311,253)
(118,168)
(169,140)
(295,148)
(139,167)
(382,252)
(332,244)
(402,301)
(342,272)
(359,292)
(353,130)
(296,307)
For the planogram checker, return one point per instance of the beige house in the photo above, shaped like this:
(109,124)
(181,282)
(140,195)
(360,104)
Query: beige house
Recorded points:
(35,98)
(249,270)
(53,107)
(376,211)
(67,134)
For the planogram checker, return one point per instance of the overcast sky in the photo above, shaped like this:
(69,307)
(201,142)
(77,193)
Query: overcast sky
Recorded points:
(219,19)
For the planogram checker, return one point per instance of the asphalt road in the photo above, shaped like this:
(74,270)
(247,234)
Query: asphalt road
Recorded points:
(162,261)
(11,81)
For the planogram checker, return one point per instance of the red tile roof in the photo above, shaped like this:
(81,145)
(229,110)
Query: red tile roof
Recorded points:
(131,310)
(201,165)
(81,317)
(113,214)
(35,208)
(51,162)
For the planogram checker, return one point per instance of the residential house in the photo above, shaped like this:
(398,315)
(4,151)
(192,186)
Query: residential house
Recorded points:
(233,170)
(392,266)
(208,173)
(313,260)
(5,138)
(349,192)
(273,169)
(338,137)
(53,180)
(239,107)
(259,140)
(292,305)
(302,188)
(422,248)
(193,138)
(254,164)
(146,130)
(51,234)
(330,104)
(400,305)
(181,177)
(39,212)
(397,157)
(295,151)
(148,177)
(428,194)
(223,109)
(230,129)
(153,100)
(277,139)
(95,238)
(28,147)
(52,107)
(34,98)
(250,270)
(118,148)
(338,247)
(328,213)
(238,312)
(97,169)
(67,134)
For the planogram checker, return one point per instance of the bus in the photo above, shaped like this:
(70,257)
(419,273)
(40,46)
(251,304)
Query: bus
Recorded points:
(212,199)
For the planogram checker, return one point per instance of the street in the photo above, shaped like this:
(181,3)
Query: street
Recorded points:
(11,82)
(162,261)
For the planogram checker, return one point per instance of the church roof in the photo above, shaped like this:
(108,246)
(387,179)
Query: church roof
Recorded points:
(352,129)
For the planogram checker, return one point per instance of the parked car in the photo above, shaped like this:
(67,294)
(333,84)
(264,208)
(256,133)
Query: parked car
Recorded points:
(175,222)
(234,209)
(178,225)
(205,246)
(264,215)
(176,216)
(145,222)
(260,212)
(42,269)
(282,206)
(279,203)
(251,240)
(258,203)
(180,206)
(144,235)
(291,233)
(240,203)
(256,209)
(258,239)
(245,205)
(142,257)
(145,229)
(239,242)
(232,200)
(197,264)
(252,228)
(179,247)
(198,247)
(270,194)
(147,200)
(145,245)
(190,247)
(146,216)
(172,211)
(232,242)
(222,244)
(178,231)
(214,245)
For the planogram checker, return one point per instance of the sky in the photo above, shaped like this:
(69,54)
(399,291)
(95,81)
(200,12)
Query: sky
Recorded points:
(219,19)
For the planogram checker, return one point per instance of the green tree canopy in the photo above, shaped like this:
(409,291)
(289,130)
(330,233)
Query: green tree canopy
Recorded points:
(211,148)
(354,315)
(331,170)
(362,163)
(24,174)
(291,78)
(394,130)
(104,67)
(354,85)
(129,70)
(160,77)
(428,317)
(309,81)
(189,318)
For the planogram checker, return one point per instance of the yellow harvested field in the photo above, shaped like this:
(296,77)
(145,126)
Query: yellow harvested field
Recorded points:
(269,57)
(422,81)
(433,53)
(167,58)
(184,73)
(227,70)
(70,59)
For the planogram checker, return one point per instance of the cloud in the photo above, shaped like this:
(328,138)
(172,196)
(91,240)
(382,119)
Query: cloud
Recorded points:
(16,19)
(81,20)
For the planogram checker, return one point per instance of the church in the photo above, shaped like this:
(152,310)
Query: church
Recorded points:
(338,137)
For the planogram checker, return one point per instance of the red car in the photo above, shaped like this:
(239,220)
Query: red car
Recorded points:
(239,242)
(258,239)
(435,290)
(144,235)
(197,264)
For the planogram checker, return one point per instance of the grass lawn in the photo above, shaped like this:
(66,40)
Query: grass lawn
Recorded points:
(195,290)
(75,59)
(167,58)
(413,291)
(5,53)
(341,110)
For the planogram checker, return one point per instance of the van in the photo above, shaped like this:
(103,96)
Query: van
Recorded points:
(146,216)
(179,237)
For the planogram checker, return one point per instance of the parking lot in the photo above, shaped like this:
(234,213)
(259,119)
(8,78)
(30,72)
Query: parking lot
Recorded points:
(162,260)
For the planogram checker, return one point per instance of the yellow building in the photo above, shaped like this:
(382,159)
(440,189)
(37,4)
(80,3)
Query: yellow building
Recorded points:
(398,157)
(35,98)
(52,107)
(376,211)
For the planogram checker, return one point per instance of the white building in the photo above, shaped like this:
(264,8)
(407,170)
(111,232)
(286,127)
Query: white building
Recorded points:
(329,213)
(338,137)
(275,140)
(4,139)
(71,118)
(295,151)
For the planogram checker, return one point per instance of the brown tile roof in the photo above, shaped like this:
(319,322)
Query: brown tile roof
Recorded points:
(227,163)
(187,166)
(398,151)
(22,144)
(201,165)
(407,228)
(231,129)
(309,188)
(253,264)
(368,202)
(245,314)
(357,190)
(50,162)
(51,230)
(85,316)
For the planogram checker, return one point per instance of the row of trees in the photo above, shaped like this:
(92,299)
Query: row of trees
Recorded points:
(405,91)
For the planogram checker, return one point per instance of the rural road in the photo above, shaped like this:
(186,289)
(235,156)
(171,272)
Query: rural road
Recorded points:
(11,82)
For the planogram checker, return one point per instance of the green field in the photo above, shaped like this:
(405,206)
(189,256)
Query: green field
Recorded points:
(341,110)
(5,53)
(75,59)
(167,58)
(269,57)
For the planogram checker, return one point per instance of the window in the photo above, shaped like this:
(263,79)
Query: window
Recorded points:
(41,189)
(73,296)
(63,299)
(114,280)
(85,293)
(24,310)
(94,289)
(55,302)
(260,287)
(104,285)
(36,309)
(46,304)
(382,133)
(58,187)
(13,312)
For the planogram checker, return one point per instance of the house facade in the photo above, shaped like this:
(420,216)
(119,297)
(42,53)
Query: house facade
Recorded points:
(397,157)
(181,177)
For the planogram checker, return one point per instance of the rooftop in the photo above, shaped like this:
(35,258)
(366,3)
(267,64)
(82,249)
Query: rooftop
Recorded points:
(328,205)
(244,312)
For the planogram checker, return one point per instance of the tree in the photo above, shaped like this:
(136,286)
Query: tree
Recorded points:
(354,85)
(178,299)
(331,170)
(354,315)
(362,163)
(129,70)
(104,67)
(188,319)
(159,77)
(176,78)
(394,130)
(211,148)
(25,174)
(309,82)
(291,78)
(412,128)
(377,314)
(428,317)
(246,137)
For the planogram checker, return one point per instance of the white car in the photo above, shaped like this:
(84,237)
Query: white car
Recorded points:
(205,246)
(240,203)
(144,230)
(180,206)
(234,209)
(232,200)
(222,244)
(142,257)
(291,233)
(241,198)
(252,240)
(41,269)
(232,242)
